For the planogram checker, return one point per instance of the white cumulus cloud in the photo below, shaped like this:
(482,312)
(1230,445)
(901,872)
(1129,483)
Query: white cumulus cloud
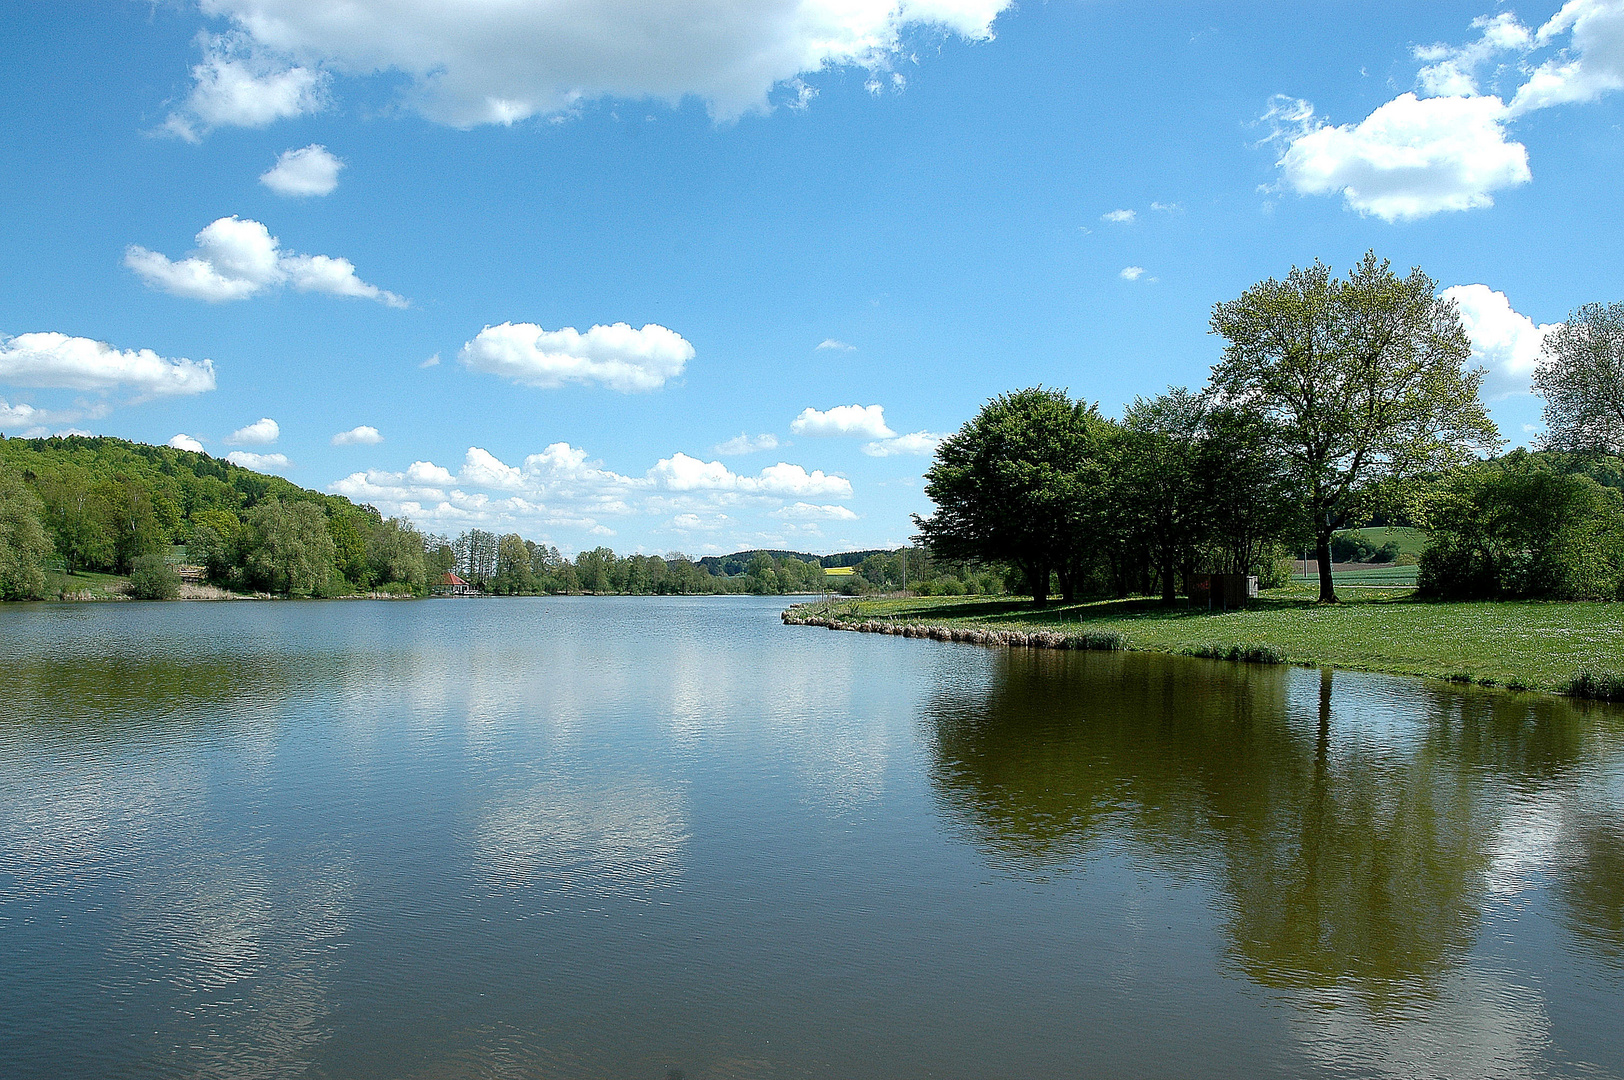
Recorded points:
(1592,66)
(358,436)
(679,472)
(1120,217)
(1448,148)
(262,432)
(836,344)
(618,356)
(860,421)
(1411,158)
(1504,341)
(498,63)
(920,444)
(1131,273)
(743,444)
(183,441)
(76,363)
(265,463)
(237,258)
(239,84)
(308,171)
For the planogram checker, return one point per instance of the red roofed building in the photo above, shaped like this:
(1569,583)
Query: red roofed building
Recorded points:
(452,585)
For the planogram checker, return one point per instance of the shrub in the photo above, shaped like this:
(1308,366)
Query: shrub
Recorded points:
(151,578)
(1247,654)
(1275,573)
(1602,686)
(1515,529)
(1099,641)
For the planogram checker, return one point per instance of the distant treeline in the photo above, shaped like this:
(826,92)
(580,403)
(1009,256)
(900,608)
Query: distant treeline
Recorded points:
(106,505)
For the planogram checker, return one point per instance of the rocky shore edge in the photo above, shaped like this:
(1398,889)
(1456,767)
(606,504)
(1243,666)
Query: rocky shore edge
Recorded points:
(1095,641)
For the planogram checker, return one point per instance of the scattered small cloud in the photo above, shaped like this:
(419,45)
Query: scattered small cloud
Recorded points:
(831,343)
(52,360)
(746,444)
(433,361)
(30,422)
(1120,217)
(265,463)
(1165,208)
(861,421)
(262,432)
(241,84)
(920,444)
(618,356)
(1131,273)
(185,442)
(299,173)
(803,511)
(358,436)
(236,258)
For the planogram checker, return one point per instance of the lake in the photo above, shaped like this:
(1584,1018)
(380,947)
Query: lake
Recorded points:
(670,837)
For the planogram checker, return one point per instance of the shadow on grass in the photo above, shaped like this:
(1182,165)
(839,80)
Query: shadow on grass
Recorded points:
(1133,607)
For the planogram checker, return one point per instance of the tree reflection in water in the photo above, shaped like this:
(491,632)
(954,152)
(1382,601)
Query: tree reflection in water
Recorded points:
(1353,830)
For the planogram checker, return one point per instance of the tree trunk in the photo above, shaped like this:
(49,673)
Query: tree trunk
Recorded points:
(1037,579)
(1322,552)
(1170,593)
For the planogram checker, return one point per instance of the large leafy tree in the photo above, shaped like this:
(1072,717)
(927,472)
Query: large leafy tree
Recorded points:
(23,543)
(1252,501)
(1020,484)
(289,549)
(1362,379)
(1581,377)
(1158,489)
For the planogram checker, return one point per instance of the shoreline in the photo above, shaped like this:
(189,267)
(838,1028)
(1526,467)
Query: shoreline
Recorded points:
(1571,650)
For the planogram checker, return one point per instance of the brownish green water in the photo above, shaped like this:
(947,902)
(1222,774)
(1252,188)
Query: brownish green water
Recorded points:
(646,837)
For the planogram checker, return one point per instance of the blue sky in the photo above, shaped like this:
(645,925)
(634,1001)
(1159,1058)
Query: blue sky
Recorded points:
(703,276)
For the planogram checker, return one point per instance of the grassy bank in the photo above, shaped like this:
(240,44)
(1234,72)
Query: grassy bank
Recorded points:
(1522,645)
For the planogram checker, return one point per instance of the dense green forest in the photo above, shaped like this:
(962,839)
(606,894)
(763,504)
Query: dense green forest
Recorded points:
(77,506)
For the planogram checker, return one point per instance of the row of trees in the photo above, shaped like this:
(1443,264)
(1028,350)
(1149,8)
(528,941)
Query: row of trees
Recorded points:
(1335,399)
(509,565)
(1088,505)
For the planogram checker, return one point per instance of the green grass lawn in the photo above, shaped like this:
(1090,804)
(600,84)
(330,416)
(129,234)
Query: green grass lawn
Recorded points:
(87,584)
(1520,644)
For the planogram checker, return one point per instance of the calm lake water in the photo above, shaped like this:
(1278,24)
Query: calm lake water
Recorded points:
(645,837)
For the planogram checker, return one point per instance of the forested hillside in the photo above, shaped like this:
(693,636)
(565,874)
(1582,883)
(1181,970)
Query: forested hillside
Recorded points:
(82,506)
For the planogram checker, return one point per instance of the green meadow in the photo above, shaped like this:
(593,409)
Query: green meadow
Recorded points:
(1532,645)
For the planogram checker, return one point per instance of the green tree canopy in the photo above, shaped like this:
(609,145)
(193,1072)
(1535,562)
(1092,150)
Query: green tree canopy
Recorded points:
(288,547)
(1361,378)
(1581,377)
(1020,483)
(23,543)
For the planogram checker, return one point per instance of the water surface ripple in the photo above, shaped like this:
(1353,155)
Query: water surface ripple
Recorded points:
(651,837)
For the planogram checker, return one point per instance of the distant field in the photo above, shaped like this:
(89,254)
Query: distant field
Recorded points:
(1409,541)
(1528,644)
(838,571)
(1386,575)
